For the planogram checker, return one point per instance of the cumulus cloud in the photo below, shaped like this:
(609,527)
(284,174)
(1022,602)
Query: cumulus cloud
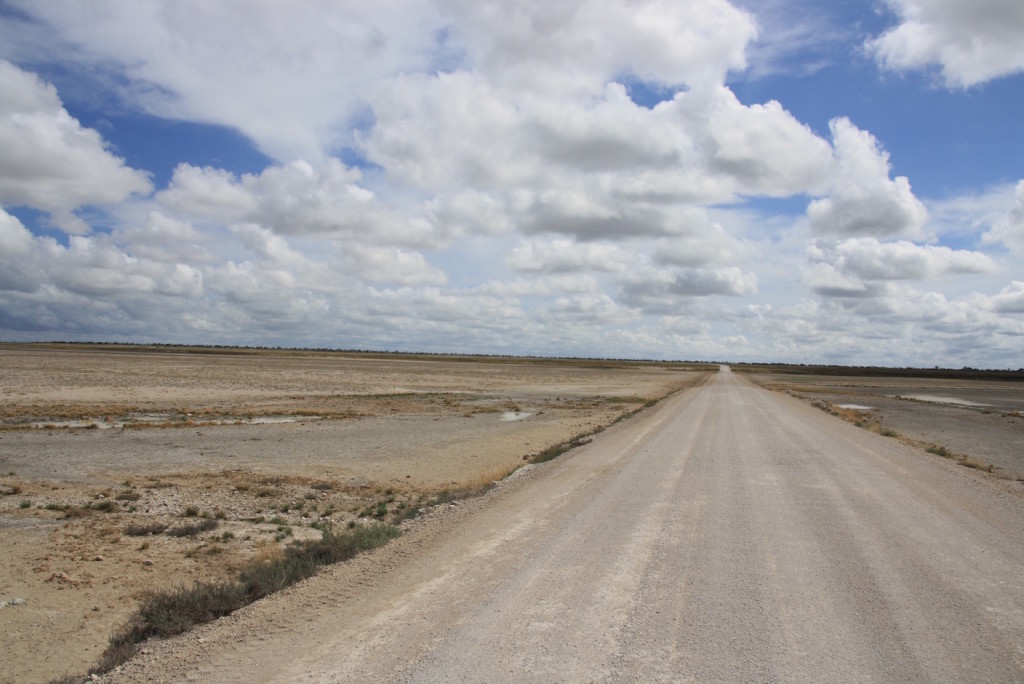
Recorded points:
(576,46)
(294,199)
(1009,229)
(971,43)
(290,80)
(163,238)
(863,200)
(863,267)
(87,267)
(293,80)
(510,193)
(1010,299)
(663,291)
(390,265)
(453,130)
(50,161)
(762,148)
(869,259)
(566,256)
(710,244)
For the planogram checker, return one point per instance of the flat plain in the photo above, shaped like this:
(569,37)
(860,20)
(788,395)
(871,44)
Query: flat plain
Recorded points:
(100,444)
(979,423)
(107,450)
(728,534)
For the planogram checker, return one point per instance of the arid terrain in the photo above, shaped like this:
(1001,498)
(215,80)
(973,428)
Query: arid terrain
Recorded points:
(978,423)
(125,470)
(128,470)
(728,534)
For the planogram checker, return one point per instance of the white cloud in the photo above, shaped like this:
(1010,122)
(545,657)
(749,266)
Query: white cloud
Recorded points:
(515,198)
(762,148)
(869,259)
(1009,228)
(1010,299)
(599,168)
(163,238)
(16,253)
(88,267)
(293,81)
(577,46)
(289,80)
(390,265)
(49,161)
(595,309)
(293,199)
(863,200)
(566,256)
(709,244)
(971,42)
(663,291)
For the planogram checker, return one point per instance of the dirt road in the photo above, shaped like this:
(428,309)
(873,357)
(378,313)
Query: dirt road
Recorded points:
(733,534)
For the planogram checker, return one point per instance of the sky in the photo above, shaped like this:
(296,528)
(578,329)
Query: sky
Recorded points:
(749,180)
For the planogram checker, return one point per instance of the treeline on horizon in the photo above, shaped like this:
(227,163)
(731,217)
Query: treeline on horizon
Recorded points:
(964,373)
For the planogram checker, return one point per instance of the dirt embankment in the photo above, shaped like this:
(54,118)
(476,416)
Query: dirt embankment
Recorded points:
(124,472)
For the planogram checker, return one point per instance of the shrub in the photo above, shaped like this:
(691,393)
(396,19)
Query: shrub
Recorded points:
(192,529)
(167,613)
(144,530)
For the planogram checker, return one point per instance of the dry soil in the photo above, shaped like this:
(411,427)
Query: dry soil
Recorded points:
(97,445)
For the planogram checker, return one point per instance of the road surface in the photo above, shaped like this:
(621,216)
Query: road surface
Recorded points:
(732,534)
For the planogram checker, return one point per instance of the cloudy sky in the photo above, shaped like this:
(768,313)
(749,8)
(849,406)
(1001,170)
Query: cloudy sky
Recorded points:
(778,180)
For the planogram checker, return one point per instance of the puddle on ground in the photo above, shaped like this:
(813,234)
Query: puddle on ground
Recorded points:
(515,415)
(168,420)
(855,407)
(934,399)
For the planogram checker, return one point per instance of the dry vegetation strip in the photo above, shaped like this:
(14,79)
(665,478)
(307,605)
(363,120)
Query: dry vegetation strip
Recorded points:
(175,611)
(872,424)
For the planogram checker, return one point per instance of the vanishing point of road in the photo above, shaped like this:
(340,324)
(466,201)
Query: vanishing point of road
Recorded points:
(732,534)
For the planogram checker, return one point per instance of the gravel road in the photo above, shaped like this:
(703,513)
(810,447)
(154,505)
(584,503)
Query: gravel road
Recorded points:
(732,534)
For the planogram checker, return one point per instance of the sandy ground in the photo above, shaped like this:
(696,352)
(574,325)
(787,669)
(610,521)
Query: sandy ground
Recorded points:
(980,424)
(731,534)
(99,445)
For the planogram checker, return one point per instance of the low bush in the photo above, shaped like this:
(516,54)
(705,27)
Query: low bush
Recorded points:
(144,530)
(167,613)
(192,529)
(553,452)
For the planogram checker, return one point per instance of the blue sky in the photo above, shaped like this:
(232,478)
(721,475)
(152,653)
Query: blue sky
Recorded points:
(756,180)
